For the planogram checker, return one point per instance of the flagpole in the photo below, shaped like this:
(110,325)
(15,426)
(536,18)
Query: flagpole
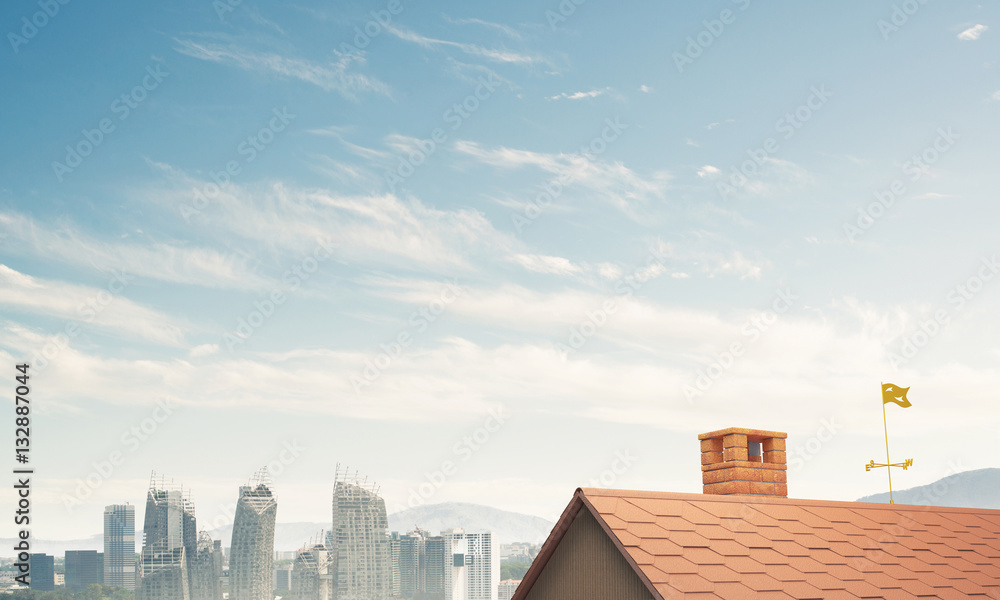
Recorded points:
(887,461)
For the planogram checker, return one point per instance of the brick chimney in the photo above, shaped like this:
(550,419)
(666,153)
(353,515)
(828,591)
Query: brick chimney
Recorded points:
(744,461)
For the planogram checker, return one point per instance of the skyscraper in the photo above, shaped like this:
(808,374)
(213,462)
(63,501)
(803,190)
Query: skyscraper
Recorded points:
(43,578)
(205,569)
(119,545)
(252,551)
(359,540)
(83,568)
(169,523)
(313,573)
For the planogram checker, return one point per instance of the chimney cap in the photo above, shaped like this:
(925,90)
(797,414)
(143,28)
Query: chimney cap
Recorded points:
(750,433)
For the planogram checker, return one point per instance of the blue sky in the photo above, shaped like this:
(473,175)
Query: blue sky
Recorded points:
(595,230)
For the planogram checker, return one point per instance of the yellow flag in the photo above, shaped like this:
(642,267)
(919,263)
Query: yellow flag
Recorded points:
(893,393)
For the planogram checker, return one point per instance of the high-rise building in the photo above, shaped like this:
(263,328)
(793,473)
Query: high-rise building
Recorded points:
(359,540)
(119,546)
(471,565)
(252,550)
(506,589)
(205,569)
(83,568)
(409,564)
(312,574)
(42,569)
(283,578)
(168,536)
(437,567)
(482,565)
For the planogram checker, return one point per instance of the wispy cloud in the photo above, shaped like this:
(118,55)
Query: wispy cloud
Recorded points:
(335,76)
(171,262)
(973,33)
(363,152)
(613,181)
(645,89)
(553,265)
(580,95)
(372,229)
(504,29)
(501,56)
(87,305)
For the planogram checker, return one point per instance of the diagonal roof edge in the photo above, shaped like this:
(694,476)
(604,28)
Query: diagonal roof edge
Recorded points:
(576,504)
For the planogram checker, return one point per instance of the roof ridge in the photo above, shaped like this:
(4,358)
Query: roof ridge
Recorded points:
(744,498)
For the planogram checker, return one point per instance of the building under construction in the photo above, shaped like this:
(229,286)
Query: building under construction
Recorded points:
(174,558)
(313,573)
(359,540)
(205,569)
(252,551)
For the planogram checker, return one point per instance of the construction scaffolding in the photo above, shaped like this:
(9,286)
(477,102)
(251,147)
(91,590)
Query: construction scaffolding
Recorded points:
(358,539)
(252,550)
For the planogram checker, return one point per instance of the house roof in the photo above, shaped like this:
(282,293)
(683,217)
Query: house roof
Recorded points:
(706,546)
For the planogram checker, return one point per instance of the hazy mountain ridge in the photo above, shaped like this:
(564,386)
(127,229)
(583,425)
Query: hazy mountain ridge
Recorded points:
(509,527)
(969,489)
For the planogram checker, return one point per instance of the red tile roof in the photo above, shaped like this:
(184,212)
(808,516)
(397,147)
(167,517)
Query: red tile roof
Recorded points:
(738,547)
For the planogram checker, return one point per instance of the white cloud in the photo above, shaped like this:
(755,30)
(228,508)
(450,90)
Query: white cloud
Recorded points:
(555,265)
(738,265)
(501,56)
(613,181)
(708,171)
(504,29)
(175,263)
(609,271)
(973,33)
(105,308)
(996,95)
(204,350)
(335,76)
(645,89)
(383,230)
(580,95)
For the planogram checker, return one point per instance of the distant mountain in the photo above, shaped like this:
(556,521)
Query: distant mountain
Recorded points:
(969,489)
(509,527)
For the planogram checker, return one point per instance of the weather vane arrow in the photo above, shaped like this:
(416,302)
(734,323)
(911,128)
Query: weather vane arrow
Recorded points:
(897,395)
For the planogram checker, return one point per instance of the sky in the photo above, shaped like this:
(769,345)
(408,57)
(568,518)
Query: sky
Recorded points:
(492,252)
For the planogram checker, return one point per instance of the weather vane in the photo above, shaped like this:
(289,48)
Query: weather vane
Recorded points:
(897,395)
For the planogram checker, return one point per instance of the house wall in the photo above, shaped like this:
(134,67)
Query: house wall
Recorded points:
(587,566)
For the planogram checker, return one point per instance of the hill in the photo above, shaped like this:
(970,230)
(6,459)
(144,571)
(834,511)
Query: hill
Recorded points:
(969,489)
